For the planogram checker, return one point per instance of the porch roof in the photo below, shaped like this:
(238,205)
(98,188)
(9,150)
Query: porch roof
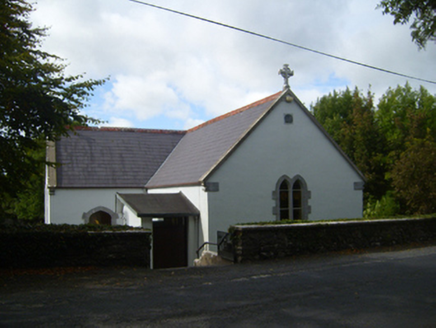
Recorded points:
(159,205)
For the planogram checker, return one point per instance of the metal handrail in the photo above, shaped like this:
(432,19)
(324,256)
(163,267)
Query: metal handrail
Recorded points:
(204,244)
(210,243)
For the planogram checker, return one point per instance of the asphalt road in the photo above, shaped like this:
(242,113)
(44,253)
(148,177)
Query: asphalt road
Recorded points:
(374,289)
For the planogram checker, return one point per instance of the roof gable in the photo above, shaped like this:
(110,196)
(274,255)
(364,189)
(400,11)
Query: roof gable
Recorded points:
(204,146)
(134,158)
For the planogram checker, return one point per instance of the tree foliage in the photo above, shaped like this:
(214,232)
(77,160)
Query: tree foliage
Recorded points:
(37,101)
(414,176)
(424,21)
(391,145)
(349,117)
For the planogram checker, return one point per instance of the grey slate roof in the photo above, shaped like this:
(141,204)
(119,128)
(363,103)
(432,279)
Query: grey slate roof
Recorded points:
(204,146)
(111,157)
(160,205)
(134,158)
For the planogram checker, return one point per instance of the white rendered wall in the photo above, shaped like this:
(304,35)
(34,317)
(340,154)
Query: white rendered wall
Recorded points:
(47,206)
(129,218)
(249,176)
(68,205)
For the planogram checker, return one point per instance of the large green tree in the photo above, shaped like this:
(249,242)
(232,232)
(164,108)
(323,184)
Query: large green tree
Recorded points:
(407,118)
(404,114)
(348,116)
(333,111)
(423,13)
(414,176)
(37,100)
(393,145)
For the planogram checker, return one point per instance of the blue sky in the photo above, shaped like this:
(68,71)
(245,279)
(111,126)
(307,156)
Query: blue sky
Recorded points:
(171,72)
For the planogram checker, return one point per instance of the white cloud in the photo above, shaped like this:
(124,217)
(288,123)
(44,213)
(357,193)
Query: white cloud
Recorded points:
(181,71)
(143,97)
(190,123)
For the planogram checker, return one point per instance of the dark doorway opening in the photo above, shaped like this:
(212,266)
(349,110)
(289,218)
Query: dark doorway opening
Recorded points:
(170,242)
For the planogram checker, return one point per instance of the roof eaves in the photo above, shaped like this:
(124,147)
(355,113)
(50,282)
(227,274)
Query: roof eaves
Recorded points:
(119,129)
(186,184)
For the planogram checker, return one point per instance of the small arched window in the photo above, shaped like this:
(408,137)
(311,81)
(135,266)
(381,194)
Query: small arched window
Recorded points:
(284,200)
(100,217)
(297,201)
(292,199)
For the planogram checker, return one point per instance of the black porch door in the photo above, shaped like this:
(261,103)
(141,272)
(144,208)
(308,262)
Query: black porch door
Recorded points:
(170,243)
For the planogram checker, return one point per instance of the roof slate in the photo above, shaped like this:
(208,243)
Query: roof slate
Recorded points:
(137,158)
(160,205)
(205,145)
(111,157)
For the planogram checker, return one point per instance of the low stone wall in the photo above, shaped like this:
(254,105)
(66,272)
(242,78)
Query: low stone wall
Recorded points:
(53,249)
(258,242)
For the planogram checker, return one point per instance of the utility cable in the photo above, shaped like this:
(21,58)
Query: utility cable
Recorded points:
(281,41)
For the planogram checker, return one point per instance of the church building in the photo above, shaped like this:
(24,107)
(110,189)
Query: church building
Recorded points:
(270,160)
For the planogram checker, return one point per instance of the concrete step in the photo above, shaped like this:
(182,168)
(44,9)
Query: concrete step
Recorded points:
(209,258)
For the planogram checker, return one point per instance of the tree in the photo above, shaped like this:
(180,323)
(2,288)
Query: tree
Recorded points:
(424,12)
(333,110)
(37,101)
(414,176)
(365,145)
(404,114)
(349,118)
(394,145)
(28,204)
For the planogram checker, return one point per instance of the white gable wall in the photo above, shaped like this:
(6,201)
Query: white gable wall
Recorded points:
(249,175)
(69,205)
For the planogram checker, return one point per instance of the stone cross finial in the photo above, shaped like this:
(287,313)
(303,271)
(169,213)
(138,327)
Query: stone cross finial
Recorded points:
(286,73)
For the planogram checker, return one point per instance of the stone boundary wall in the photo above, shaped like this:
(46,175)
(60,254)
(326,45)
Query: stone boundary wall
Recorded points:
(259,242)
(55,249)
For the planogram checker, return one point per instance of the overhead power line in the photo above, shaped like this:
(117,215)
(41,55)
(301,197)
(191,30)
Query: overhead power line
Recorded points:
(282,41)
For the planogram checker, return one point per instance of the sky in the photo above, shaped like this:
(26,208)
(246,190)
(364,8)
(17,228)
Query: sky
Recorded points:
(168,71)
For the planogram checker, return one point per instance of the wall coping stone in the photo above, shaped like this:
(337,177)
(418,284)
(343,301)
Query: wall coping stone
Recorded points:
(314,223)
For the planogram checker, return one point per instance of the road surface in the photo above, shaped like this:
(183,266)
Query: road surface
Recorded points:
(372,289)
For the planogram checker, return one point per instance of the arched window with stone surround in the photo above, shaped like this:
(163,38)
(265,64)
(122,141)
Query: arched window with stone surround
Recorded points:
(284,200)
(100,215)
(297,200)
(292,198)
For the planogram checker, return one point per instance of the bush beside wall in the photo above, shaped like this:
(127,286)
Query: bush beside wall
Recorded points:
(253,242)
(27,249)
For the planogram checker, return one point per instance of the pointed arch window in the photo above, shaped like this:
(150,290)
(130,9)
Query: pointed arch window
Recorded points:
(100,215)
(297,201)
(292,199)
(284,200)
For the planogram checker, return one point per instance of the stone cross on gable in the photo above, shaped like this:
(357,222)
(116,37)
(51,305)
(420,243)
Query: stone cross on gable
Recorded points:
(286,73)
